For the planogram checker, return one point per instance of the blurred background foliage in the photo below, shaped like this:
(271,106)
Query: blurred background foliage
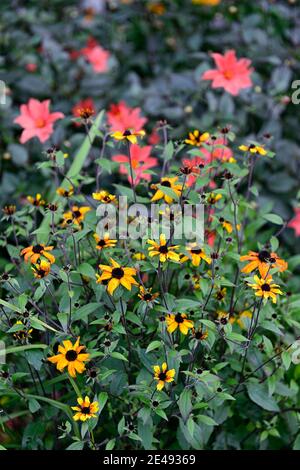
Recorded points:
(159,51)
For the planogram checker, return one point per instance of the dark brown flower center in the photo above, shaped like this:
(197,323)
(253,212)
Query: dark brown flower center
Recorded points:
(163,249)
(167,184)
(126,133)
(196,251)
(147,297)
(101,242)
(264,256)
(266,288)
(117,273)
(178,318)
(77,214)
(71,355)
(85,410)
(37,249)
(162,376)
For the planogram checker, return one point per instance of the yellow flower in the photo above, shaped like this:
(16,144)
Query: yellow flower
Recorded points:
(242,317)
(146,294)
(264,260)
(180,321)
(265,288)
(129,135)
(104,196)
(86,410)
(163,375)
(197,254)
(75,216)
(104,242)
(138,256)
(116,275)
(65,192)
(228,225)
(167,183)
(41,270)
(221,294)
(196,281)
(199,334)
(34,252)
(211,3)
(223,317)
(213,198)
(255,149)
(36,200)
(156,8)
(196,138)
(24,334)
(162,250)
(70,356)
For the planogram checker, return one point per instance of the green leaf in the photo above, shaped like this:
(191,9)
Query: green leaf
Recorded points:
(102,399)
(185,403)
(25,347)
(111,444)
(207,420)
(274,218)
(153,345)
(78,445)
(86,270)
(118,355)
(258,393)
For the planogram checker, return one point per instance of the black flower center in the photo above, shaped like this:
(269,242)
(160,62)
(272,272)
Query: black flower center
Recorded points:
(198,334)
(37,249)
(71,355)
(126,133)
(266,288)
(178,318)
(196,251)
(167,184)
(147,297)
(118,273)
(85,410)
(101,242)
(77,214)
(264,256)
(163,249)
(162,376)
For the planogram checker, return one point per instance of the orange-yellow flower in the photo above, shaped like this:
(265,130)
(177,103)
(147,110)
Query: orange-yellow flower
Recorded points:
(70,356)
(34,252)
(180,321)
(163,375)
(265,288)
(263,260)
(86,410)
(116,275)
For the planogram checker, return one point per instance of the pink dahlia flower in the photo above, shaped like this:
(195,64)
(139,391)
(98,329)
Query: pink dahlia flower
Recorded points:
(96,55)
(36,120)
(141,161)
(231,73)
(121,117)
(295,223)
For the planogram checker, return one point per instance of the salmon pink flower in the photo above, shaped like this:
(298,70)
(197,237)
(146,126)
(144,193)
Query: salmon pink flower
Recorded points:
(121,117)
(191,168)
(141,162)
(231,73)
(36,120)
(96,55)
(218,151)
(295,222)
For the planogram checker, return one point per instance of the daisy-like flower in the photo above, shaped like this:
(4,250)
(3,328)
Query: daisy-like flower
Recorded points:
(199,334)
(265,288)
(129,134)
(221,294)
(104,196)
(85,409)
(264,260)
(213,198)
(228,225)
(34,252)
(41,269)
(96,56)
(65,192)
(255,149)
(163,375)
(70,356)
(167,183)
(36,120)
(23,334)
(243,318)
(84,110)
(223,317)
(36,200)
(146,294)
(231,73)
(116,275)
(121,117)
(104,242)
(75,216)
(197,254)
(196,138)
(9,210)
(141,161)
(162,250)
(178,320)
